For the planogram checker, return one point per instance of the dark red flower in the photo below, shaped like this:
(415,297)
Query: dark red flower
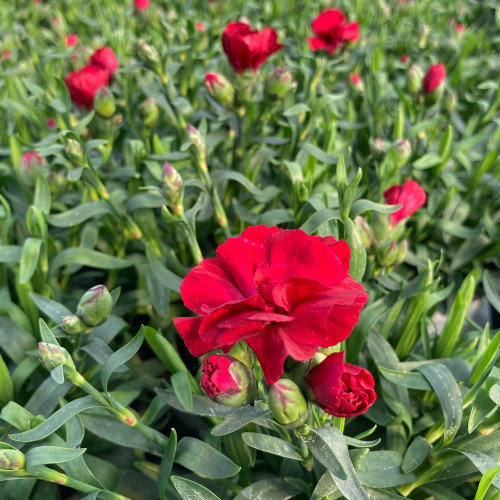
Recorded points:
(341,389)
(141,4)
(84,83)
(105,58)
(247,48)
(71,40)
(51,123)
(411,196)
(404,58)
(434,76)
(284,292)
(332,31)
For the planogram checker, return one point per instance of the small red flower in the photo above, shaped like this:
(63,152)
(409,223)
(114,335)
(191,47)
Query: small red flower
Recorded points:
(51,123)
(141,4)
(30,160)
(435,75)
(6,54)
(411,196)
(84,83)
(355,79)
(199,26)
(71,40)
(247,48)
(405,58)
(284,292)
(105,58)
(459,28)
(342,389)
(332,31)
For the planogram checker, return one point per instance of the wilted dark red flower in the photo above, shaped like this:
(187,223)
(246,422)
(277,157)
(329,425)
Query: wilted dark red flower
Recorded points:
(434,76)
(105,58)
(341,389)
(71,40)
(84,83)
(411,196)
(284,292)
(247,48)
(332,31)
(141,4)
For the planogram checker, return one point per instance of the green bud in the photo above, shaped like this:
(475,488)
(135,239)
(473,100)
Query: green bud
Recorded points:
(104,102)
(424,35)
(279,82)
(220,88)
(11,459)
(364,230)
(53,355)
(378,146)
(148,54)
(287,403)
(172,183)
(74,151)
(149,112)
(196,138)
(387,254)
(72,324)
(415,77)
(450,101)
(401,152)
(95,306)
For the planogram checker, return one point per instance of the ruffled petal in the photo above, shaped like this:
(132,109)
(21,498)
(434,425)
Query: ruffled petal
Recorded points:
(327,21)
(319,44)
(189,331)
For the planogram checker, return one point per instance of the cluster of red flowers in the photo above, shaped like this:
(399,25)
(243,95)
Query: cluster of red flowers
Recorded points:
(84,83)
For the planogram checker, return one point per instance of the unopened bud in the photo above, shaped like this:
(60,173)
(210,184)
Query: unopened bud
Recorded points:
(357,83)
(95,306)
(378,146)
(74,151)
(53,355)
(228,381)
(104,102)
(424,35)
(11,459)
(450,101)
(149,113)
(172,183)
(196,138)
(387,254)
(402,251)
(279,82)
(72,324)
(287,403)
(415,77)
(402,152)
(220,89)
(364,230)
(148,54)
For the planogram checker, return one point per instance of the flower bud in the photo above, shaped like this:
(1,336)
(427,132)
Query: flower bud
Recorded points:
(387,254)
(148,54)
(149,113)
(172,183)
(402,250)
(74,151)
(364,230)
(279,82)
(11,459)
(227,381)
(95,306)
(434,82)
(287,403)
(402,152)
(53,355)
(450,101)
(424,35)
(30,165)
(220,89)
(378,146)
(196,138)
(242,353)
(104,102)
(357,83)
(415,76)
(72,324)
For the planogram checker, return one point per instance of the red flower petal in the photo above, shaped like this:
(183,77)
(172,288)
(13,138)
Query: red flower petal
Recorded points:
(189,330)
(327,21)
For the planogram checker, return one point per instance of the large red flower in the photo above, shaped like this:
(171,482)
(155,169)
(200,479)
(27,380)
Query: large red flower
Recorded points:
(342,389)
(84,83)
(106,59)
(332,31)
(411,196)
(284,292)
(247,48)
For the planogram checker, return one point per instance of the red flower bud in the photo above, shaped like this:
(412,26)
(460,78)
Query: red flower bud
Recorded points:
(411,196)
(220,88)
(287,403)
(30,161)
(84,83)
(435,75)
(332,31)
(227,381)
(404,58)
(105,58)
(71,40)
(356,82)
(342,389)
(141,4)
(247,48)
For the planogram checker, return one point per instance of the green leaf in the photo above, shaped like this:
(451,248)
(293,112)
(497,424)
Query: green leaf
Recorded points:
(241,417)
(360,206)
(42,455)
(415,454)
(120,357)
(191,490)
(6,385)
(382,469)
(448,393)
(357,264)
(204,460)
(15,340)
(320,217)
(428,160)
(42,194)
(79,214)
(268,489)
(182,389)
(164,276)
(491,289)
(87,257)
(167,463)
(409,379)
(58,419)
(271,444)
(318,153)
(297,109)
(46,333)
(486,481)
(29,259)
(10,253)
(51,308)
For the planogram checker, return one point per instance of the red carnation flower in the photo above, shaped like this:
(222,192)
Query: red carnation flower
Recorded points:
(71,40)
(247,48)
(51,123)
(405,58)
(199,26)
(332,31)
(341,389)
(411,196)
(141,4)
(84,83)
(105,58)
(284,292)
(434,77)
